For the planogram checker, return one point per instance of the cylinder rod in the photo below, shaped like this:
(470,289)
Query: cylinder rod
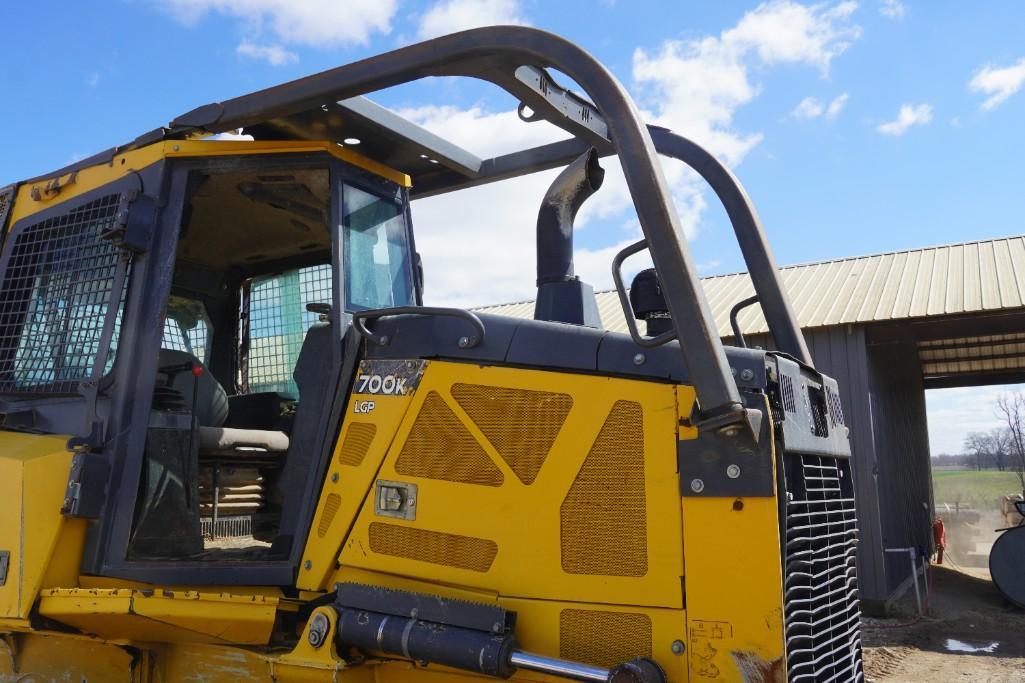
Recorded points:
(558,667)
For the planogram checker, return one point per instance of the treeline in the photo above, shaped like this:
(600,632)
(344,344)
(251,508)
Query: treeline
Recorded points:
(1001,449)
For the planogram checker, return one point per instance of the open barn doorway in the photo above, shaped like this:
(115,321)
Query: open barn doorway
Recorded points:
(977,468)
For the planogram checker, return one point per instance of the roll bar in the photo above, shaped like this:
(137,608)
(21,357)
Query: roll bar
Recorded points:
(516,58)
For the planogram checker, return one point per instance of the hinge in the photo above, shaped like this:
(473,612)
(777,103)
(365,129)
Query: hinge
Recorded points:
(87,483)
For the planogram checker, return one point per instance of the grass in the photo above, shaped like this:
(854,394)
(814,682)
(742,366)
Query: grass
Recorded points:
(972,488)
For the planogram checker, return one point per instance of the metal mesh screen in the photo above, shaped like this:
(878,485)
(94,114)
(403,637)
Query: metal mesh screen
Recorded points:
(520,424)
(440,446)
(278,321)
(603,638)
(820,596)
(452,550)
(58,286)
(604,526)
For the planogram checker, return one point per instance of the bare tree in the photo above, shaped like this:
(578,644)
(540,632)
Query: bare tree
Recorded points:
(1012,408)
(978,445)
(1001,445)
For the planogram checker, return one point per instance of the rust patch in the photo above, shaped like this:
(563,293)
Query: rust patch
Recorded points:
(754,669)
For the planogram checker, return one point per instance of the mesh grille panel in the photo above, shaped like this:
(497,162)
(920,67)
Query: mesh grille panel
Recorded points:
(278,321)
(356,443)
(334,501)
(604,526)
(820,597)
(603,638)
(6,201)
(520,424)
(58,286)
(440,447)
(464,552)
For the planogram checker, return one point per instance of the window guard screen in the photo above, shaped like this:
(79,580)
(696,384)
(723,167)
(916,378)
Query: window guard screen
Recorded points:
(58,282)
(278,321)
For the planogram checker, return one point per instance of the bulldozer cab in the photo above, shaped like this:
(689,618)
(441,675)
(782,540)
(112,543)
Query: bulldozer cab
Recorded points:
(229,338)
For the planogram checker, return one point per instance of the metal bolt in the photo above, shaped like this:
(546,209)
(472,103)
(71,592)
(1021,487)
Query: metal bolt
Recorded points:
(697,486)
(334,478)
(464,342)
(730,430)
(639,359)
(498,627)
(747,374)
(308,564)
(319,627)
(385,339)
(733,471)
(175,148)
(678,647)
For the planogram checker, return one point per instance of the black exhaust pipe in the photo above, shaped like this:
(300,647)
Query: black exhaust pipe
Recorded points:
(561,296)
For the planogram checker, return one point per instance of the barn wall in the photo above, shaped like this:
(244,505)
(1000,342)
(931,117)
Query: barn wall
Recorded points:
(902,449)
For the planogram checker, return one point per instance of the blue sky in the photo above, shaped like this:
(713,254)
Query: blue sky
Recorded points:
(856,127)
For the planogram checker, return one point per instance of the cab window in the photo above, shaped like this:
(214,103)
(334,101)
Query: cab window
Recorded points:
(378,270)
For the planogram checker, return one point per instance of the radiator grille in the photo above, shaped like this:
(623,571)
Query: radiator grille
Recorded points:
(58,288)
(451,550)
(358,437)
(440,447)
(331,505)
(820,599)
(520,424)
(603,638)
(604,527)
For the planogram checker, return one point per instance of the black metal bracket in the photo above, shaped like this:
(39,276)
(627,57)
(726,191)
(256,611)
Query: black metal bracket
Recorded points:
(360,318)
(728,459)
(624,300)
(134,223)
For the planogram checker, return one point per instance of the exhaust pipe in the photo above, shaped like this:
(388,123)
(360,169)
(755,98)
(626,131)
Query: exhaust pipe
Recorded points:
(561,296)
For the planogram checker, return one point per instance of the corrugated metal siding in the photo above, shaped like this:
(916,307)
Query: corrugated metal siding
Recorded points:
(956,278)
(902,453)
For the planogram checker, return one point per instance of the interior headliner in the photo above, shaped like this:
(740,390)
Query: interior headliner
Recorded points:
(241,219)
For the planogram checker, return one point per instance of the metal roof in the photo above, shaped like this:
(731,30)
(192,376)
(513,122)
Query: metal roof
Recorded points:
(986,275)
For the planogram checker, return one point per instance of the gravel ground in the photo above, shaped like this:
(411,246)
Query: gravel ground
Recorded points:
(966,612)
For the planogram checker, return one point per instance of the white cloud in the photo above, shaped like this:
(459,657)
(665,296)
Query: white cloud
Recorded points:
(998,82)
(275,55)
(273,24)
(812,108)
(93,79)
(893,9)
(908,116)
(836,106)
(808,108)
(694,87)
(450,16)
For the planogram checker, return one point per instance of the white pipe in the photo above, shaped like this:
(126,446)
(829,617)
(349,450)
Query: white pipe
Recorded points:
(914,571)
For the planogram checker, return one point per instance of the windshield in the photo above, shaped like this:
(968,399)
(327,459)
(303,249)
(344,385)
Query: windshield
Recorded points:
(378,270)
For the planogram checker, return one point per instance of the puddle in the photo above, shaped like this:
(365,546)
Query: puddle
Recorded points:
(952,645)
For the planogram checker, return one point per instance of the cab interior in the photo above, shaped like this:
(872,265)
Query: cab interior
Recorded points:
(244,377)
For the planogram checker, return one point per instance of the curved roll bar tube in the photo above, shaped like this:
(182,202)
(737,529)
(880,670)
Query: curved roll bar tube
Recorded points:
(496,54)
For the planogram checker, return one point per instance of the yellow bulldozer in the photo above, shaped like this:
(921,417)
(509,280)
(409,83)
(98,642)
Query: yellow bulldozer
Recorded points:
(235,445)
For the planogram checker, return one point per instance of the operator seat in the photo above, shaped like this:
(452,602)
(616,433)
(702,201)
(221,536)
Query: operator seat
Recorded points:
(212,410)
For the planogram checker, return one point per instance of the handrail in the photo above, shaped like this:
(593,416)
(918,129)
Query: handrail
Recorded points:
(466,342)
(496,54)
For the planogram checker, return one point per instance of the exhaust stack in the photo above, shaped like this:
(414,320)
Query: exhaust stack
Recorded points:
(561,296)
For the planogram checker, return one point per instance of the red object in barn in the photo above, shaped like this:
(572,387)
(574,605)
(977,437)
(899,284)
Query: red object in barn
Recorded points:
(939,537)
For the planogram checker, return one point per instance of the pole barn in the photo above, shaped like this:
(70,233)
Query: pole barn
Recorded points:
(888,327)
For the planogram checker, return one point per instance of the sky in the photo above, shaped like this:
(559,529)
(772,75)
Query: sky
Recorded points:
(856,127)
